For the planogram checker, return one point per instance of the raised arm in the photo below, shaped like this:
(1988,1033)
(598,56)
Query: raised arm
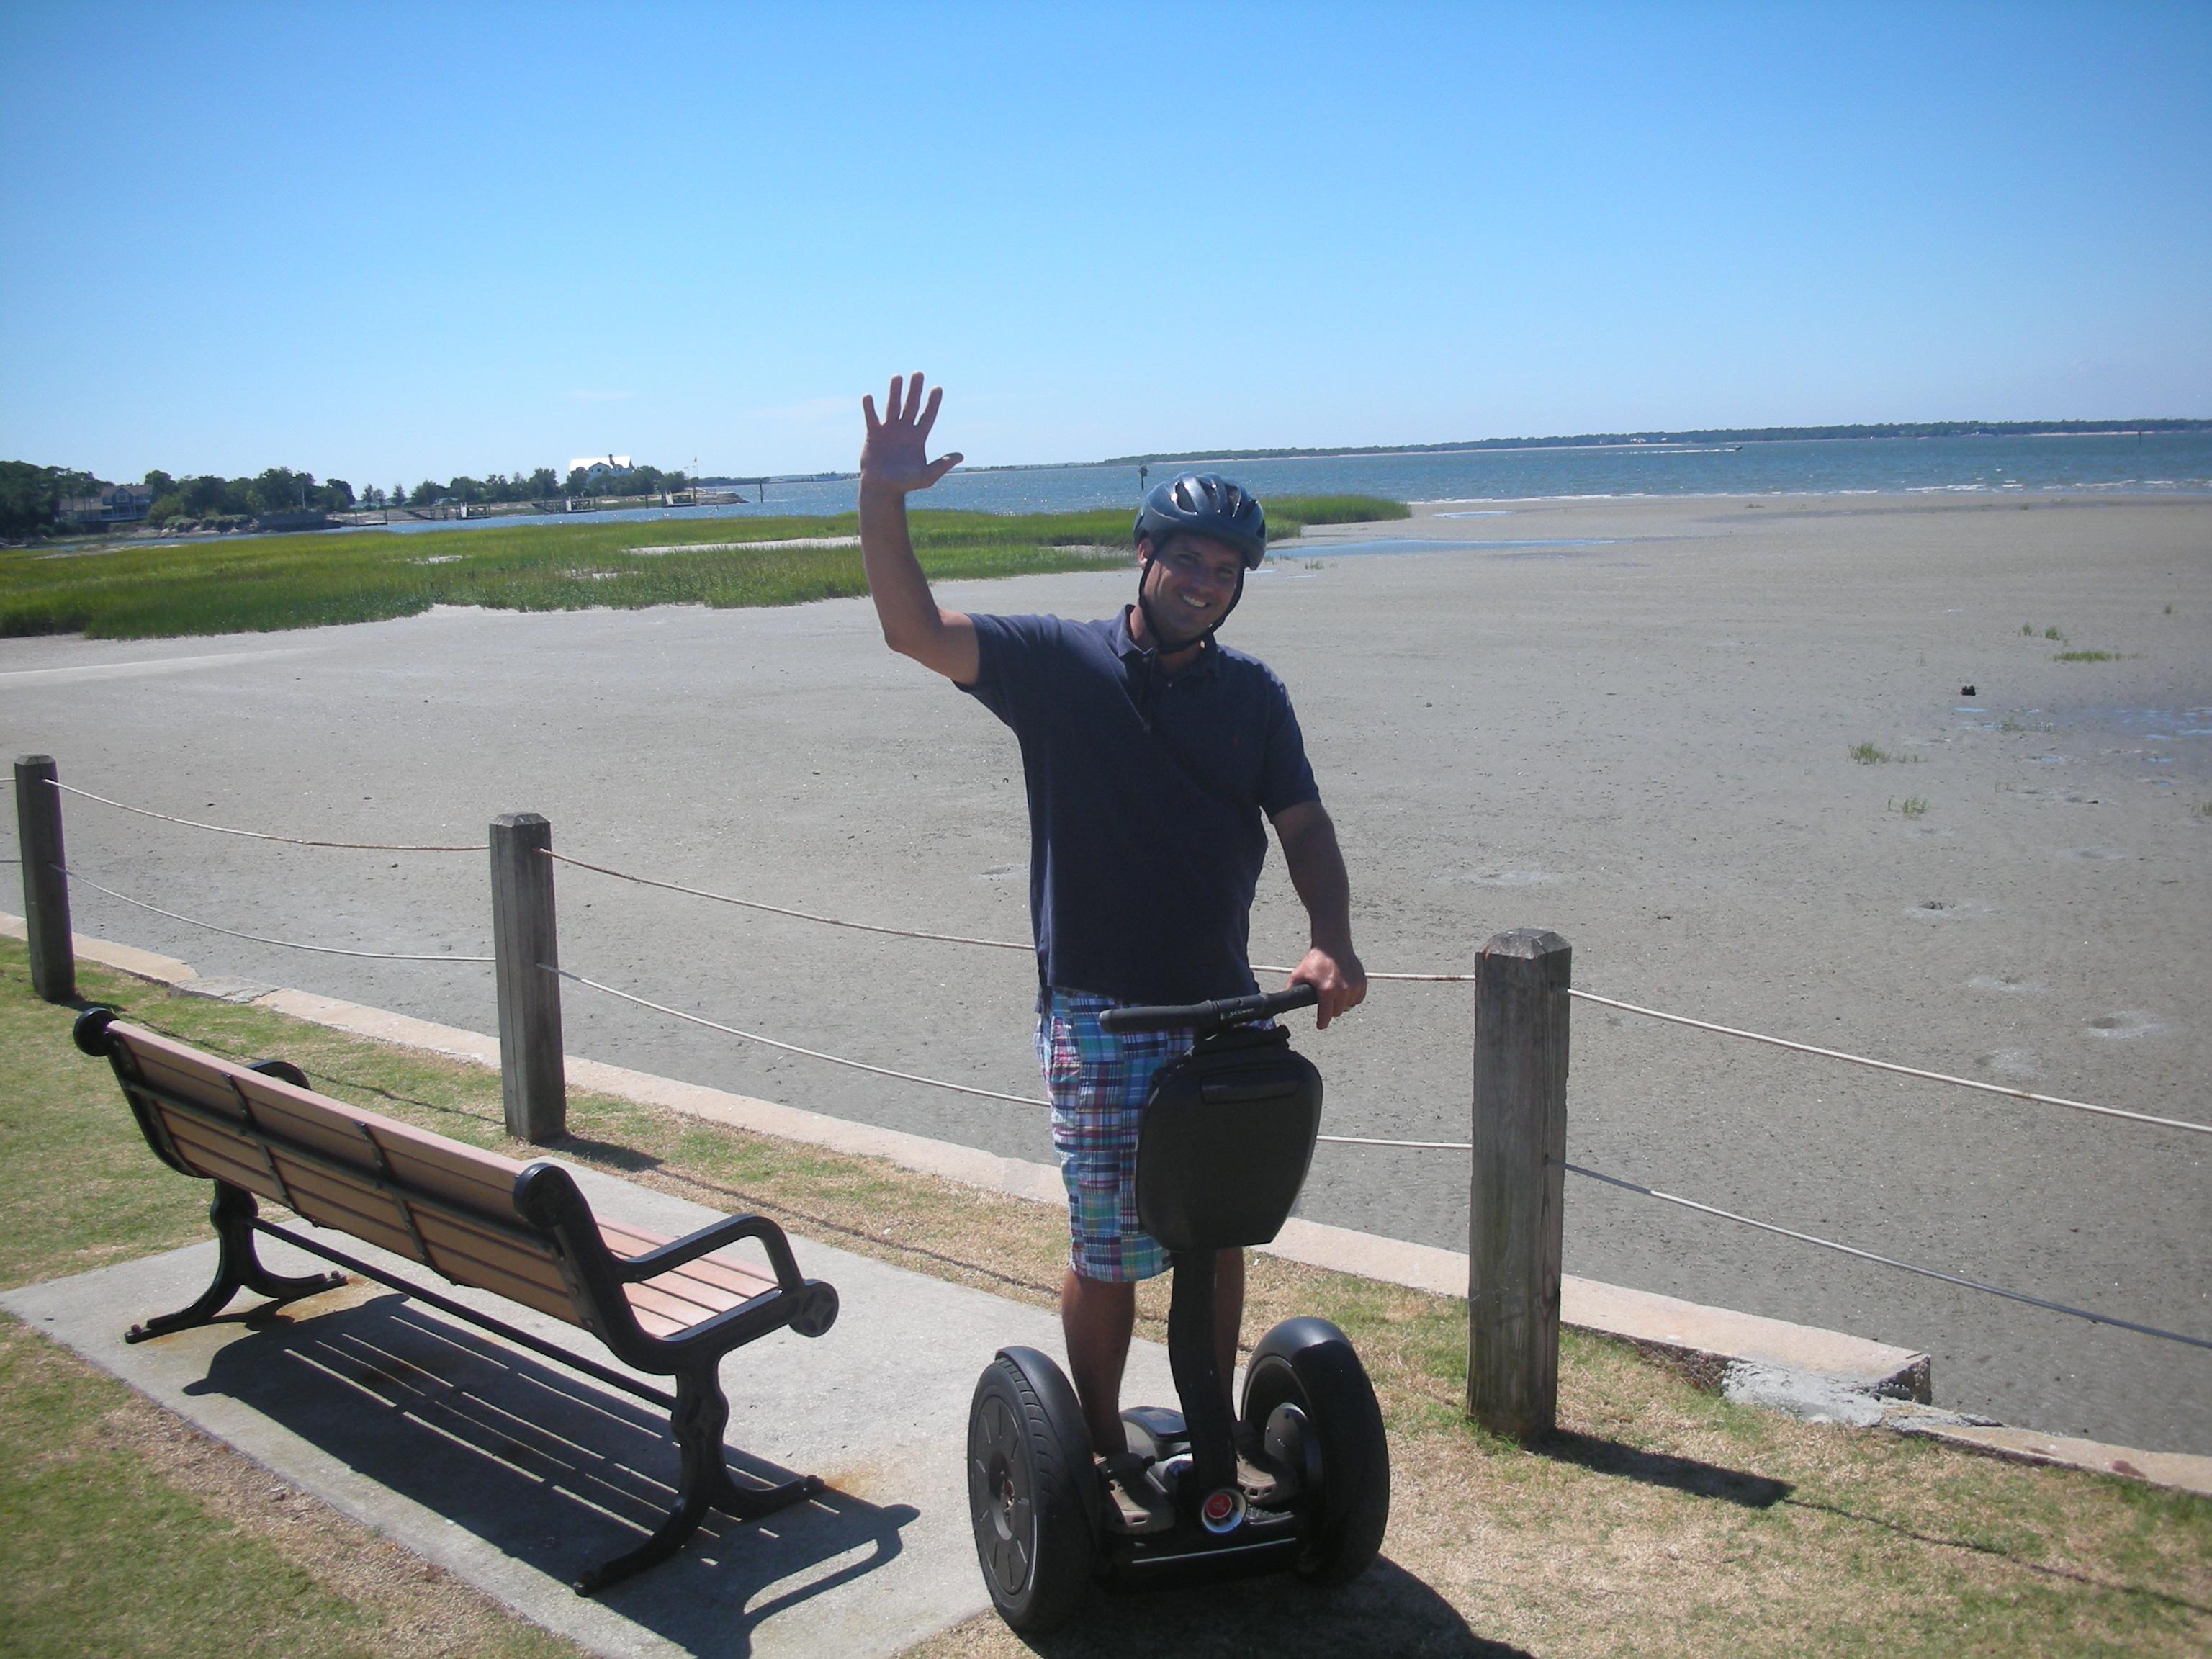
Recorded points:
(1317,866)
(894,462)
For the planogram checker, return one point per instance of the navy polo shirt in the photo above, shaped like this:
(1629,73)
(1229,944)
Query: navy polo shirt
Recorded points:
(1146,794)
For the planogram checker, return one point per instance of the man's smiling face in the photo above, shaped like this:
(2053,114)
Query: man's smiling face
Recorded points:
(1190,586)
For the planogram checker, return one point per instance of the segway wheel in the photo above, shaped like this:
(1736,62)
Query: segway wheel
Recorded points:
(1308,1365)
(1029,1480)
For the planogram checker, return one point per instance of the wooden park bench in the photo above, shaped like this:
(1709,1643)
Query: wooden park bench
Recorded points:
(523,1232)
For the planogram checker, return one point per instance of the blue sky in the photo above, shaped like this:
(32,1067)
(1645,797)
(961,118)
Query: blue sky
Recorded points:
(384,242)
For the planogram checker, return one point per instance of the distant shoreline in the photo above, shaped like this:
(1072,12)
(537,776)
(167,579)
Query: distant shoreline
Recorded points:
(2142,427)
(1770,435)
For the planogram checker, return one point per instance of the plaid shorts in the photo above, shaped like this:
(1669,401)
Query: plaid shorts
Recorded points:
(1098,1083)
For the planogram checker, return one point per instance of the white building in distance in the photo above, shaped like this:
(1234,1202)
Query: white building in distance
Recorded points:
(595,467)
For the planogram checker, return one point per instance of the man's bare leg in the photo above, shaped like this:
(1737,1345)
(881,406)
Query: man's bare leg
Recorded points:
(1097,1317)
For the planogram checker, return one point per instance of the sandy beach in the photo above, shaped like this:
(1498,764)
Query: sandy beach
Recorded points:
(1630,721)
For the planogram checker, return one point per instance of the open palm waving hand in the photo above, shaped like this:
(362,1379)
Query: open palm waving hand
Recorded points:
(894,456)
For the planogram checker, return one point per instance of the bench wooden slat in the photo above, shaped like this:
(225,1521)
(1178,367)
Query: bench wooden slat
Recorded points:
(492,1262)
(733,1277)
(721,1270)
(684,1296)
(626,1240)
(658,1325)
(349,1206)
(181,1071)
(488,1186)
(465,1176)
(675,1300)
(672,1297)
(221,1156)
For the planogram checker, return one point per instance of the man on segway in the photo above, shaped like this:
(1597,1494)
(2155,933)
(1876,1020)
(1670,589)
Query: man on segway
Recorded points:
(1152,757)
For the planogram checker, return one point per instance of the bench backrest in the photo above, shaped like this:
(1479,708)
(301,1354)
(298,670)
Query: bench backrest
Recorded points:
(449,1207)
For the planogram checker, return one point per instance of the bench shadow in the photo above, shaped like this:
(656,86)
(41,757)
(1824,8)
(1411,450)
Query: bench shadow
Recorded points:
(1385,1610)
(1685,1474)
(554,1472)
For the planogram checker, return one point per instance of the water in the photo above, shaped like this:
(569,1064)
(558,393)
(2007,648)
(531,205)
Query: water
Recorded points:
(2161,462)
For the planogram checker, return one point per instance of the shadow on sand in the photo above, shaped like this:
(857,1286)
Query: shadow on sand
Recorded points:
(556,1472)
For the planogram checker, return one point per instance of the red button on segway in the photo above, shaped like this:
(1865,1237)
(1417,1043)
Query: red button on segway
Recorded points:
(1219,1507)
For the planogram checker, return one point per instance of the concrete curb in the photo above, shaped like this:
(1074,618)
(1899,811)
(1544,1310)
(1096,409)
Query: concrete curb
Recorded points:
(1821,1376)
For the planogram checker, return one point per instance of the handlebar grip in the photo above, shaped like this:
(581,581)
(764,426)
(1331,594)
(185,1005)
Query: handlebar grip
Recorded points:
(1206,1017)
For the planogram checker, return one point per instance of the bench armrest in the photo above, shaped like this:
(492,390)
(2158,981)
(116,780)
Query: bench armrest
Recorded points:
(715,1236)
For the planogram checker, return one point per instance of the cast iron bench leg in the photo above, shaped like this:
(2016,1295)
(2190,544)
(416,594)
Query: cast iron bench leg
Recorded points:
(700,1416)
(237,1268)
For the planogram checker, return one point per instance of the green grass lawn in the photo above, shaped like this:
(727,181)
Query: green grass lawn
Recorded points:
(129,590)
(1662,1519)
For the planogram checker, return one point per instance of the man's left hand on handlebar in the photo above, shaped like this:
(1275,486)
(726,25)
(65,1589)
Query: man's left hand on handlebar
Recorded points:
(1340,979)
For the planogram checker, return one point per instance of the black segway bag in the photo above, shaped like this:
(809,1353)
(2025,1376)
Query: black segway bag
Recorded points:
(1228,1135)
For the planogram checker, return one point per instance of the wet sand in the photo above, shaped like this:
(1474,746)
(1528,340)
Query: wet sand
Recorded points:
(1638,733)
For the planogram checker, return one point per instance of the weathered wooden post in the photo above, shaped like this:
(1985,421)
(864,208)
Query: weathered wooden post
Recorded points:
(45,887)
(533,1085)
(1520,981)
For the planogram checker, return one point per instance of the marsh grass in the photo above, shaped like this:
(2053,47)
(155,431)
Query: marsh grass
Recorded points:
(2086,656)
(1661,1519)
(263,583)
(1868,754)
(1913,806)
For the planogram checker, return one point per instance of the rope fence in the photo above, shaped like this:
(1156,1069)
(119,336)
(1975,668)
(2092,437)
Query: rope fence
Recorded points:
(1888,1261)
(1889,1065)
(781,910)
(790,1047)
(763,907)
(907,1077)
(904,933)
(262,835)
(257,938)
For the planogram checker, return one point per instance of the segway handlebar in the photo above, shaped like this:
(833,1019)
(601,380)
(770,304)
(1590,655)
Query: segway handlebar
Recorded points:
(1207,1017)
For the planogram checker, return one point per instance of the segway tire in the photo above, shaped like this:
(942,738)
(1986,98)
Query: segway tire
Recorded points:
(1032,1490)
(1311,1364)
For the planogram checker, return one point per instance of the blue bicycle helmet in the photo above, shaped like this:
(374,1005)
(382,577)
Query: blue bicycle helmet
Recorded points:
(1200,504)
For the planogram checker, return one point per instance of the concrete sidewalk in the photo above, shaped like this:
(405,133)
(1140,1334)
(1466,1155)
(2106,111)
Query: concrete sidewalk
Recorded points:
(514,1474)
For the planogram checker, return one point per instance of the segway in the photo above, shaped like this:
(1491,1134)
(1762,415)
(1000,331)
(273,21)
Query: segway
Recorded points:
(1299,1480)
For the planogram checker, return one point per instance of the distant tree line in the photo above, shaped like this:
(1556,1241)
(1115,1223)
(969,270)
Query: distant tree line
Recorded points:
(639,481)
(31,496)
(278,489)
